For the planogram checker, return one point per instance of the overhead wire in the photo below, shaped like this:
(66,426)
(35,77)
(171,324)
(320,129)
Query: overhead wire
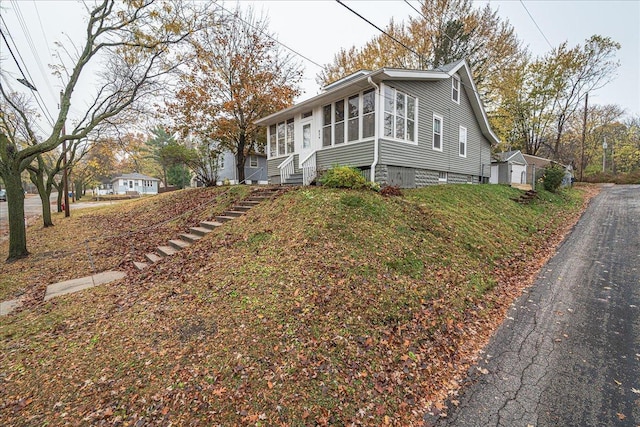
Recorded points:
(34,52)
(381,30)
(536,24)
(237,16)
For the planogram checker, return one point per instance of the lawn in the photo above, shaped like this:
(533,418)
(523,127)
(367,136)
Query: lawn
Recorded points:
(320,307)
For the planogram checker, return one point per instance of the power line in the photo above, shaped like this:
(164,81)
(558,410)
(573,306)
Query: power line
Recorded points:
(536,24)
(237,16)
(381,30)
(27,83)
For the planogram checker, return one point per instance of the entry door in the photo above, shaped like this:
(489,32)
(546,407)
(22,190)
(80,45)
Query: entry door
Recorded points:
(307,145)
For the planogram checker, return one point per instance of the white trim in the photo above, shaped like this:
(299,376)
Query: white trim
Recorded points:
(460,141)
(454,79)
(433,132)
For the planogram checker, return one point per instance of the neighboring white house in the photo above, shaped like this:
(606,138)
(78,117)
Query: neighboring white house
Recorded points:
(401,127)
(134,183)
(509,168)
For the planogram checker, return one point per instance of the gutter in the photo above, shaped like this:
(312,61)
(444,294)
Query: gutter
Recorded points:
(376,145)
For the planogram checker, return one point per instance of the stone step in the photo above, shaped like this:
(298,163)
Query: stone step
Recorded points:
(210,225)
(140,265)
(200,231)
(190,238)
(223,218)
(250,203)
(166,250)
(233,213)
(241,208)
(257,198)
(152,257)
(179,244)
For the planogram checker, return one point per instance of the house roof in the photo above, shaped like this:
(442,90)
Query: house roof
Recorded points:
(134,175)
(363,80)
(514,156)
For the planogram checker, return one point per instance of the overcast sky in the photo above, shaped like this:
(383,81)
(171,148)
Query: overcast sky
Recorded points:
(318,29)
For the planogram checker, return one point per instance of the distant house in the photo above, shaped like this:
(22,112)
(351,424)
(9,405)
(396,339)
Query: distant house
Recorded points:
(509,168)
(255,168)
(134,183)
(401,127)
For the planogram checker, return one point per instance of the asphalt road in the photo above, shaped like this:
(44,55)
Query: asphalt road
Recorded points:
(569,352)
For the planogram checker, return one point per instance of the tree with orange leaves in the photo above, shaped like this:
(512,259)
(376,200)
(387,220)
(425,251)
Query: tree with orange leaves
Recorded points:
(238,74)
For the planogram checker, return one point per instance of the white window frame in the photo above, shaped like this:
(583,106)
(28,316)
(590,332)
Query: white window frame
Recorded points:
(462,142)
(394,114)
(433,132)
(443,176)
(345,122)
(455,89)
(253,164)
(288,141)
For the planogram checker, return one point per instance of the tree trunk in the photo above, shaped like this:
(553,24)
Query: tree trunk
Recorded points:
(240,158)
(37,178)
(15,207)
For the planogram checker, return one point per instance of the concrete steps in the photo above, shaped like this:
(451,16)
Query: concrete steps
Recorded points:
(196,233)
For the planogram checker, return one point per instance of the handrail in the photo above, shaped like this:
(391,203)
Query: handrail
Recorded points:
(287,168)
(309,171)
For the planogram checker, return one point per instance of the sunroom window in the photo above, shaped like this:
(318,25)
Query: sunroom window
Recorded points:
(399,115)
(349,120)
(281,140)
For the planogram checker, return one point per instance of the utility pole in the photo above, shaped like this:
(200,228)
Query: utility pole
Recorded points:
(584,134)
(65,184)
(604,154)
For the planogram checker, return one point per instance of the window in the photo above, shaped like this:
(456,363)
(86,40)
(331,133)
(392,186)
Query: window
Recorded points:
(437,132)
(455,89)
(462,142)
(306,135)
(281,140)
(442,177)
(338,130)
(353,126)
(307,114)
(289,136)
(253,161)
(273,151)
(326,126)
(221,162)
(368,113)
(356,123)
(399,115)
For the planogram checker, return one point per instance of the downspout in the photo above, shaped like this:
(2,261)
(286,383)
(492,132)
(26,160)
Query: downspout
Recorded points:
(375,130)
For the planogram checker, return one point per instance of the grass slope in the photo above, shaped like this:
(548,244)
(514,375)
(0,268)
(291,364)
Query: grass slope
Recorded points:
(321,307)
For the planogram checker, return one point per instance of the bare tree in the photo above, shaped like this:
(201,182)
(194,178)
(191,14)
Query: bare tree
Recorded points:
(135,40)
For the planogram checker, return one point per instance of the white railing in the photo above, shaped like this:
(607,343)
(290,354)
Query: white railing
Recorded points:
(287,168)
(309,170)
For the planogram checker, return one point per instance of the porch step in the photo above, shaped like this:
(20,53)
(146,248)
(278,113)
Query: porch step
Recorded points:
(140,265)
(210,225)
(294,179)
(179,244)
(153,257)
(190,238)
(200,231)
(166,250)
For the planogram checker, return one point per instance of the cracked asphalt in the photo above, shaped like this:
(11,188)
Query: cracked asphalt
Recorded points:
(568,353)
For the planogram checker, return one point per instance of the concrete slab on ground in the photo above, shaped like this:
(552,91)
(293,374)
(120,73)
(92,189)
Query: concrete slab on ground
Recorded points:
(7,307)
(76,285)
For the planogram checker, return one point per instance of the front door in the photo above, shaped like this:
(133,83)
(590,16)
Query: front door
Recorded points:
(306,145)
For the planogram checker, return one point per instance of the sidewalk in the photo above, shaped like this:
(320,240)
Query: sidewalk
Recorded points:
(67,287)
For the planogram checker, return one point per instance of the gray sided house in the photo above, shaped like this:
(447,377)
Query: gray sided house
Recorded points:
(134,183)
(255,168)
(409,128)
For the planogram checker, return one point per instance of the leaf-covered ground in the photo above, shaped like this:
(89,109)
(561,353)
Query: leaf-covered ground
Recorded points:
(321,307)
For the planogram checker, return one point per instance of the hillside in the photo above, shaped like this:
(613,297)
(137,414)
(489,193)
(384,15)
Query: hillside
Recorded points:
(321,307)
